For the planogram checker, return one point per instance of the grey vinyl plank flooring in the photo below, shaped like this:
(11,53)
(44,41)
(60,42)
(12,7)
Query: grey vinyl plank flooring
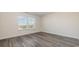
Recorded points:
(40,39)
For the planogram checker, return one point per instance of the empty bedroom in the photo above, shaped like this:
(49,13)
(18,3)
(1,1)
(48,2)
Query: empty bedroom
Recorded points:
(39,29)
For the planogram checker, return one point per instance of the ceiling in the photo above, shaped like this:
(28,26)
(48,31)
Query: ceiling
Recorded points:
(38,13)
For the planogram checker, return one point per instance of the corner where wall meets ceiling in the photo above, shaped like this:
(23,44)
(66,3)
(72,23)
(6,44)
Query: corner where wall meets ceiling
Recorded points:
(40,14)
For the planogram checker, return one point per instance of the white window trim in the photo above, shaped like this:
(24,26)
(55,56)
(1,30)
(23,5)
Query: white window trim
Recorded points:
(34,25)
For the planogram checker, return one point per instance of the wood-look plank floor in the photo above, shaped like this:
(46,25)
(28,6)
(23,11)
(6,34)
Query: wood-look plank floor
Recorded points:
(40,40)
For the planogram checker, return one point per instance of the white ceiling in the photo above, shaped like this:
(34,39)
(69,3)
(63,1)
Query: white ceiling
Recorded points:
(38,13)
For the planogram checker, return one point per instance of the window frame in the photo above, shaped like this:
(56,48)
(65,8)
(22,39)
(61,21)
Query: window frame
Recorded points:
(27,18)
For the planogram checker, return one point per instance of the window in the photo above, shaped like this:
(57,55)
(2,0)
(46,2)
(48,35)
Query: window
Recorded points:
(26,22)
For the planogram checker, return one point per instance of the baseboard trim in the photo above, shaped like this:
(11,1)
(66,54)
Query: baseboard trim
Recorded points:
(39,32)
(61,35)
(17,36)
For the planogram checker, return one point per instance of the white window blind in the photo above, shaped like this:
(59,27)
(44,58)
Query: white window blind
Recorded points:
(26,22)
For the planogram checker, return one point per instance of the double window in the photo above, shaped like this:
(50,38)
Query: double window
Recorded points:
(26,22)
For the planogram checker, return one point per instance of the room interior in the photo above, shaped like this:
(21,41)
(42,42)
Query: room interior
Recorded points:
(39,29)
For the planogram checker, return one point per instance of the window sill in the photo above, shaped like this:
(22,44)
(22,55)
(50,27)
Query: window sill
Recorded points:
(26,29)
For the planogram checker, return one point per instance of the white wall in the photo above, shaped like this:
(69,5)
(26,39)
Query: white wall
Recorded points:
(0,29)
(66,24)
(62,23)
(8,25)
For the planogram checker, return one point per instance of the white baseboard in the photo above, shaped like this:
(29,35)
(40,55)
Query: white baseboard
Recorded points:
(1,38)
(62,35)
(37,32)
